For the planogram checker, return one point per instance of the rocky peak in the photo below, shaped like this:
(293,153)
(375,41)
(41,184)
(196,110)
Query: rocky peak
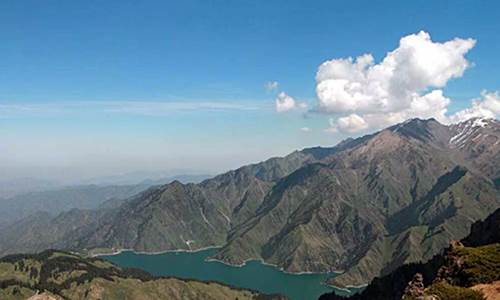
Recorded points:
(428,130)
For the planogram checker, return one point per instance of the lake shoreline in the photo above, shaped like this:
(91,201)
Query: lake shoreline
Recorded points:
(119,251)
(209,259)
(315,281)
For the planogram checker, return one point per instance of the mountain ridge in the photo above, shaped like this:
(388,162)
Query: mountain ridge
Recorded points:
(319,209)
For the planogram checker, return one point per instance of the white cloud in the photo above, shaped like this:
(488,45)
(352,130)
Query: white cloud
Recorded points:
(271,85)
(351,123)
(146,108)
(284,103)
(305,129)
(488,106)
(406,83)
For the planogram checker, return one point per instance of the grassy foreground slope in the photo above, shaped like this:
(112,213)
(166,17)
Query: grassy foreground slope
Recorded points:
(61,275)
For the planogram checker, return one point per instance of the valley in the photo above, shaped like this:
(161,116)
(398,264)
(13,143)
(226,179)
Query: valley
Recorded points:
(249,150)
(361,207)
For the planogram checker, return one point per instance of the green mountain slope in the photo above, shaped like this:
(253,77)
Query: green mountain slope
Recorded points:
(361,207)
(173,216)
(364,209)
(448,275)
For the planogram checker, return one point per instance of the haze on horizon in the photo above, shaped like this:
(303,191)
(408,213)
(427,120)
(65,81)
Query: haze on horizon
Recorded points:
(91,89)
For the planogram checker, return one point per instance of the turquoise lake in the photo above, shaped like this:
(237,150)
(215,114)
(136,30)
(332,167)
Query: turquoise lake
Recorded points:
(254,275)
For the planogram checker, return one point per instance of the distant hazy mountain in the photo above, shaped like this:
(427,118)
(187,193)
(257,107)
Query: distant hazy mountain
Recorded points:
(60,199)
(12,187)
(24,185)
(151,178)
(365,206)
(63,199)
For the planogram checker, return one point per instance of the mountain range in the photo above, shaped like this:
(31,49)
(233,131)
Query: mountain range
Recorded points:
(363,207)
(57,199)
(12,187)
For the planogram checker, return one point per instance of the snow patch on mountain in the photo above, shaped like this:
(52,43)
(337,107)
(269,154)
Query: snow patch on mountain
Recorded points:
(468,129)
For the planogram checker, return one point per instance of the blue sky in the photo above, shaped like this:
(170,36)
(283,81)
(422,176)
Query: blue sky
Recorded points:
(93,88)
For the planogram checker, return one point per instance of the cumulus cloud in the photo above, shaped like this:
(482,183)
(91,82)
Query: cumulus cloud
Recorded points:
(407,83)
(284,102)
(305,129)
(488,106)
(350,123)
(271,85)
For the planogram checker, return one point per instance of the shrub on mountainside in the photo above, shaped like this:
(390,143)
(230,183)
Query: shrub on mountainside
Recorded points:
(480,264)
(445,291)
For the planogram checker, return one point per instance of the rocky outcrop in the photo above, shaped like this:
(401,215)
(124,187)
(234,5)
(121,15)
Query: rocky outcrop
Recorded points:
(415,289)
(453,263)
